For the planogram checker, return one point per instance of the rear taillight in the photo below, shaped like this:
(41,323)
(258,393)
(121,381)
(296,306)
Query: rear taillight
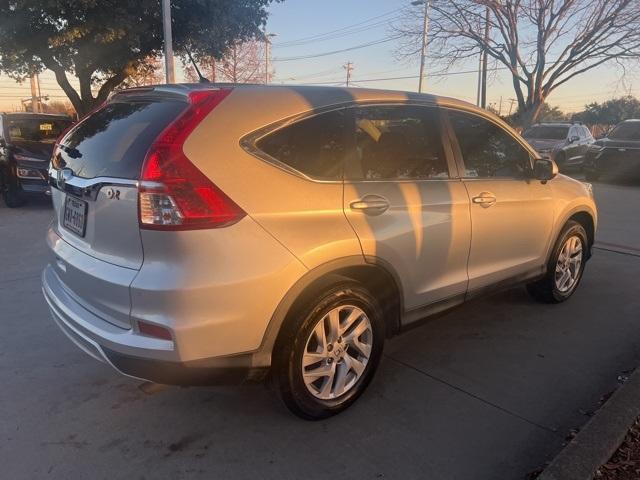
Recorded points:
(174,194)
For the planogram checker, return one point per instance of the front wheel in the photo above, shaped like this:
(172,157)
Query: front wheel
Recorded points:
(328,352)
(565,267)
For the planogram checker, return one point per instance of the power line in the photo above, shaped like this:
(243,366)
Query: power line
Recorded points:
(339,31)
(333,52)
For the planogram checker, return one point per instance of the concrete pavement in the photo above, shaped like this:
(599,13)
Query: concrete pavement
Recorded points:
(488,391)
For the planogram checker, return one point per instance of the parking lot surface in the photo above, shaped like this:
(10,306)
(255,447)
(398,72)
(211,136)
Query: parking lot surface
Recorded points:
(490,390)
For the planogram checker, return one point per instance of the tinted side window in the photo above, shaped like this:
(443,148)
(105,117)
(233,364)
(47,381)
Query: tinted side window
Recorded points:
(314,146)
(573,132)
(581,133)
(397,143)
(487,150)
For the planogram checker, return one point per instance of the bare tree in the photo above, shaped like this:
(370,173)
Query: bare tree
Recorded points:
(542,43)
(243,62)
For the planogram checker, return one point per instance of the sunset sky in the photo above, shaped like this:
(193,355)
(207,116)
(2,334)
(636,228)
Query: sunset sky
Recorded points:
(308,28)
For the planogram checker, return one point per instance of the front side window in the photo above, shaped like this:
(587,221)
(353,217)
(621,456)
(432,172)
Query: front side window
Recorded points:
(573,133)
(487,150)
(314,146)
(397,142)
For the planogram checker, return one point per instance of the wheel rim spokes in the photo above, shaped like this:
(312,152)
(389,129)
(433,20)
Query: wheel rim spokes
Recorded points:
(337,352)
(568,265)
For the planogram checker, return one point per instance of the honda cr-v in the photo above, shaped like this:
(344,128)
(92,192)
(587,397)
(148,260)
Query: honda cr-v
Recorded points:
(212,233)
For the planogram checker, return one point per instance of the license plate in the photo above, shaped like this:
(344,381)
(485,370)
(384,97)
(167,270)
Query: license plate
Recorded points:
(75,215)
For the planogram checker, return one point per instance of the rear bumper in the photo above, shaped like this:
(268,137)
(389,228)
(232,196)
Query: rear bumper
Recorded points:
(215,371)
(136,355)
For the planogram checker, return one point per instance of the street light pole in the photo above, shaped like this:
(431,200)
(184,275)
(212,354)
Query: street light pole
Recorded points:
(168,41)
(425,30)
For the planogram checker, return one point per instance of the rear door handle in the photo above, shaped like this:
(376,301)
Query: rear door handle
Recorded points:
(485,199)
(371,204)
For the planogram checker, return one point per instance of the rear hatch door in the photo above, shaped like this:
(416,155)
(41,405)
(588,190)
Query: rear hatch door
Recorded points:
(94,173)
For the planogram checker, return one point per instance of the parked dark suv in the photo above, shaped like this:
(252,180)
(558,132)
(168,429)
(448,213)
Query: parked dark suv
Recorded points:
(617,155)
(26,144)
(565,143)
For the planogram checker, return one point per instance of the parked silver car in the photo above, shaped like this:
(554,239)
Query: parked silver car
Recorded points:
(564,142)
(212,233)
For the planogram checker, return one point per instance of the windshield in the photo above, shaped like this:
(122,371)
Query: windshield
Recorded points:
(44,130)
(626,131)
(547,132)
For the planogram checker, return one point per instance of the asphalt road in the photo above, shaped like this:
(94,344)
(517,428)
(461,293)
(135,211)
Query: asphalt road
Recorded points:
(489,391)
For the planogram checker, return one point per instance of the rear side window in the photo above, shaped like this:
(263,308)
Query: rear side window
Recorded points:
(113,141)
(314,146)
(397,143)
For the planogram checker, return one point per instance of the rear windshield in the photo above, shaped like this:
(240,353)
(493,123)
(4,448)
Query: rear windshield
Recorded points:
(113,141)
(547,132)
(626,131)
(42,130)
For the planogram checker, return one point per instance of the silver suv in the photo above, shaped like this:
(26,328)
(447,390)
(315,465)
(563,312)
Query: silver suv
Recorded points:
(208,234)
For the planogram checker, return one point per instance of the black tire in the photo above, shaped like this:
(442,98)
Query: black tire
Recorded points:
(546,289)
(13,196)
(287,370)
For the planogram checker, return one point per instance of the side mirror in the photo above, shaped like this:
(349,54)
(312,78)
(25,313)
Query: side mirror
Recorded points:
(544,169)
(574,139)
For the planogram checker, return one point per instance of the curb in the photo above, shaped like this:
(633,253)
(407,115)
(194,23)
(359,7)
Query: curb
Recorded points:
(600,437)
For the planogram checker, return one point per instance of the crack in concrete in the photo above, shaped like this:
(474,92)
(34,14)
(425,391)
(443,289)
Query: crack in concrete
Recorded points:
(473,395)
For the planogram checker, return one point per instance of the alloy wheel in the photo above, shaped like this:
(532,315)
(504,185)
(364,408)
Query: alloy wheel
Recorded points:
(337,352)
(568,264)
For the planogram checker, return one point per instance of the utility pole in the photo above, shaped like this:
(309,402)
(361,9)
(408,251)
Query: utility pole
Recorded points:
(168,42)
(511,102)
(34,95)
(479,80)
(267,47)
(500,107)
(425,31)
(483,95)
(349,68)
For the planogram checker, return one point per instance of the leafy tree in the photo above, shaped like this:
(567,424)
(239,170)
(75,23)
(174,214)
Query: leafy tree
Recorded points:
(542,43)
(610,112)
(102,42)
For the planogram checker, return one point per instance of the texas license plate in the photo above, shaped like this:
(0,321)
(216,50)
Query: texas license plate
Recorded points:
(75,215)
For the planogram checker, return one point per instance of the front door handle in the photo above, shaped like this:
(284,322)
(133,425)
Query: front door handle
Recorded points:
(371,204)
(485,199)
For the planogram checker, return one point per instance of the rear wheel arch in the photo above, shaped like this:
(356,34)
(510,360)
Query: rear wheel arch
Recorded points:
(374,276)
